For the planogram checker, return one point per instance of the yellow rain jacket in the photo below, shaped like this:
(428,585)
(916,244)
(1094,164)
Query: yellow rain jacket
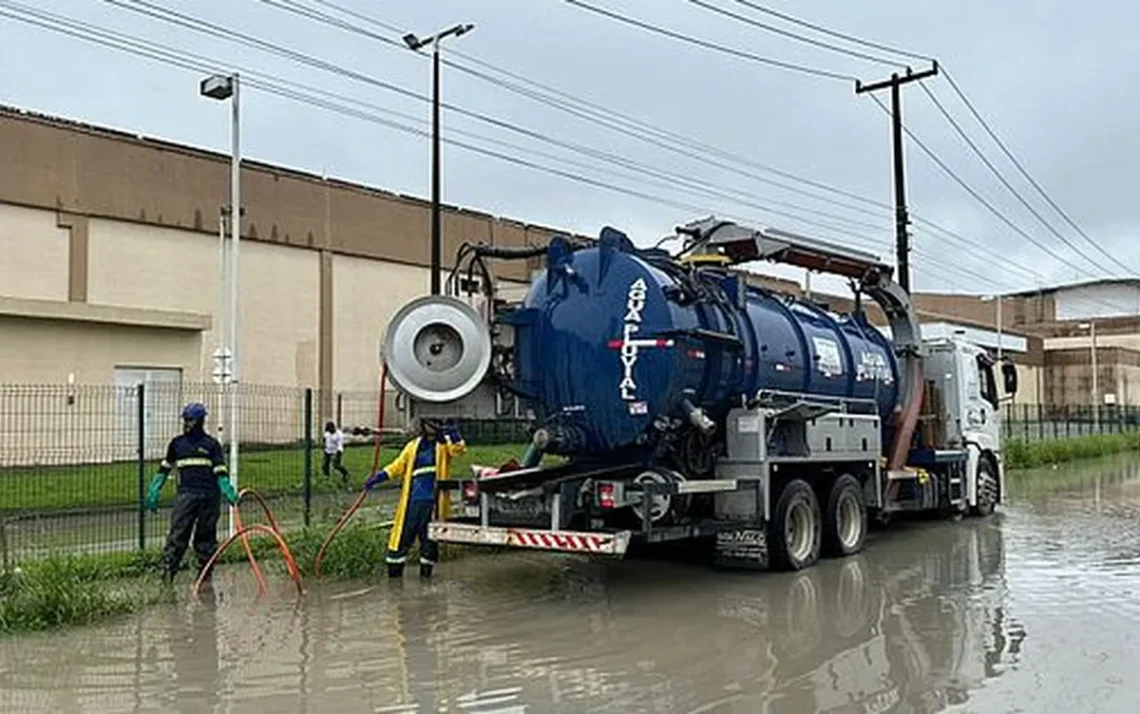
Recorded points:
(401,470)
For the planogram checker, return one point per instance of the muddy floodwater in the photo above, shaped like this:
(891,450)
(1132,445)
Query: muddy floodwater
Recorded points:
(1034,610)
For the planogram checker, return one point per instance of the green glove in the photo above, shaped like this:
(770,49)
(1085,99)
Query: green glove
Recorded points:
(228,490)
(155,491)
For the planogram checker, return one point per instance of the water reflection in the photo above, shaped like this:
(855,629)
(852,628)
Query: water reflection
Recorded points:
(914,624)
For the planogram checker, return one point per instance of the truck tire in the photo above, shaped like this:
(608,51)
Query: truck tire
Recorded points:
(794,531)
(986,488)
(844,518)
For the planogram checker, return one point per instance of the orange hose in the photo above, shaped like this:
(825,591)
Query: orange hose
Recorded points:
(336,529)
(240,528)
(290,562)
(239,534)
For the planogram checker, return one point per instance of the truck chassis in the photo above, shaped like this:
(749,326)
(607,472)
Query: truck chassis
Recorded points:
(801,478)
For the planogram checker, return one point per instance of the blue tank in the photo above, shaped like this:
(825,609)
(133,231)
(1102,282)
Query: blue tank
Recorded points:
(610,338)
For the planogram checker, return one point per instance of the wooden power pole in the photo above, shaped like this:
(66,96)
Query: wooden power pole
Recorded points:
(902,219)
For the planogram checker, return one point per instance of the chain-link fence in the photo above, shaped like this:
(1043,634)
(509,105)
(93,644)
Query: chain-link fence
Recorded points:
(75,460)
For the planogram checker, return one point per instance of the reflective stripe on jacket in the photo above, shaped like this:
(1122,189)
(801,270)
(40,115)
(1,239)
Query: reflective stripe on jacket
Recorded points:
(403,468)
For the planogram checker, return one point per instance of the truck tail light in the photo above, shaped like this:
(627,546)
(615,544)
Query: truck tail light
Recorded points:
(606,495)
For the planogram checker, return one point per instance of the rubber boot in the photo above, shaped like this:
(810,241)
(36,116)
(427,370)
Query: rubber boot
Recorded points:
(425,570)
(395,570)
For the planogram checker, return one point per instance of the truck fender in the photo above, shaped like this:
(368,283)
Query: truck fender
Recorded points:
(978,454)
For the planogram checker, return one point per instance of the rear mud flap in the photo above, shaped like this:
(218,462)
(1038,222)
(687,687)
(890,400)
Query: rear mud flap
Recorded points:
(741,547)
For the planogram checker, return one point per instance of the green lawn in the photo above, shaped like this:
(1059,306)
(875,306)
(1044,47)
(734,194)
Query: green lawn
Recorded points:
(268,472)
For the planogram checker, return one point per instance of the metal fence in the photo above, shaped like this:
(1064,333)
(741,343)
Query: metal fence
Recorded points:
(75,460)
(1038,422)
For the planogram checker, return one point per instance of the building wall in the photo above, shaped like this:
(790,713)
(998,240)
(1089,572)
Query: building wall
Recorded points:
(33,254)
(1097,301)
(1068,376)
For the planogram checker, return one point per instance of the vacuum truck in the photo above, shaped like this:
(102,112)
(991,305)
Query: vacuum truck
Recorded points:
(673,401)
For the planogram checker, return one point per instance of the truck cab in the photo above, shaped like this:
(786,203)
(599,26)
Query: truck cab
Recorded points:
(964,404)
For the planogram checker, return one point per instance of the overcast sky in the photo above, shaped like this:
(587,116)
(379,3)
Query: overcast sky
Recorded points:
(1054,79)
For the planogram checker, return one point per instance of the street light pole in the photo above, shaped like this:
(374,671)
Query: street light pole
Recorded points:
(222,87)
(436,218)
(416,43)
(1095,379)
(1091,327)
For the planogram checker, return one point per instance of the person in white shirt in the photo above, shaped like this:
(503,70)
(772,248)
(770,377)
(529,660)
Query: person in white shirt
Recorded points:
(334,451)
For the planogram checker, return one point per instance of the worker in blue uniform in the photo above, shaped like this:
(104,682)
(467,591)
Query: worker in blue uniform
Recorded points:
(203,480)
(420,463)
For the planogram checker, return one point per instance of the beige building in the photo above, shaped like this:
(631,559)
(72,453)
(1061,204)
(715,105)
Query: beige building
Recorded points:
(110,262)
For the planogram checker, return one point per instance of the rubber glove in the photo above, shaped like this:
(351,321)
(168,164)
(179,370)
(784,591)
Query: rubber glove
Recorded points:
(374,479)
(228,491)
(154,491)
(451,432)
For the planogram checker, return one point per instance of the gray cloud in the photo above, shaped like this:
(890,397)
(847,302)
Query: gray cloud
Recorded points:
(1053,79)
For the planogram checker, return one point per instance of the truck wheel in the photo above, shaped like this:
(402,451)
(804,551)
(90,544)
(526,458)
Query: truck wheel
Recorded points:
(664,509)
(794,532)
(844,518)
(986,487)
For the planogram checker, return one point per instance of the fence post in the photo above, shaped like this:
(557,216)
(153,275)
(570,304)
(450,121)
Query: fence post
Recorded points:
(308,454)
(141,426)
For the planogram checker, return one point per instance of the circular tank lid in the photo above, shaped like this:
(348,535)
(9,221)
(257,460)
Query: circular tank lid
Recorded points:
(438,349)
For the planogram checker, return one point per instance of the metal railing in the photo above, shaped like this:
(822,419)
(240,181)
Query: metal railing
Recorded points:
(1039,422)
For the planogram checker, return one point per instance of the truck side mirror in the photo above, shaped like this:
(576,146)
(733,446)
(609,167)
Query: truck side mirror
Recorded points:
(1009,375)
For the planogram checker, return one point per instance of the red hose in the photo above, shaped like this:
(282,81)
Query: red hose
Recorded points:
(379,420)
(240,534)
(375,465)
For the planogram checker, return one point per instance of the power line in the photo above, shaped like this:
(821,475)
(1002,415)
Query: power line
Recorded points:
(977,197)
(791,35)
(832,33)
(989,165)
(642,126)
(639,125)
(199,63)
(741,54)
(961,95)
(1009,155)
(202,26)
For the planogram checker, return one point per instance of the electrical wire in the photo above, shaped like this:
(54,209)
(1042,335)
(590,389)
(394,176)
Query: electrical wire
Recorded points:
(993,169)
(831,33)
(641,128)
(851,38)
(1021,169)
(160,54)
(977,197)
(791,35)
(741,54)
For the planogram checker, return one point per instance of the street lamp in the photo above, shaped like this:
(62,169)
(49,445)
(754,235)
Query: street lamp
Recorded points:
(417,43)
(1091,327)
(221,87)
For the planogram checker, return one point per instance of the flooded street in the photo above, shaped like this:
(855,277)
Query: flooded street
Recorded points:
(1034,610)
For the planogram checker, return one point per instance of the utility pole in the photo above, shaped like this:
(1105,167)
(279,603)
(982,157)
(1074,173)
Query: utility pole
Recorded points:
(902,219)
(415,44)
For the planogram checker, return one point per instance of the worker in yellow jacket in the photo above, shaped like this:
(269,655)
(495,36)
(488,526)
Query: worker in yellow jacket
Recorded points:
(420,463)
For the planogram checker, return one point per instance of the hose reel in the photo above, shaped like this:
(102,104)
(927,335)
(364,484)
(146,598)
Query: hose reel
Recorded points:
(438,349)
